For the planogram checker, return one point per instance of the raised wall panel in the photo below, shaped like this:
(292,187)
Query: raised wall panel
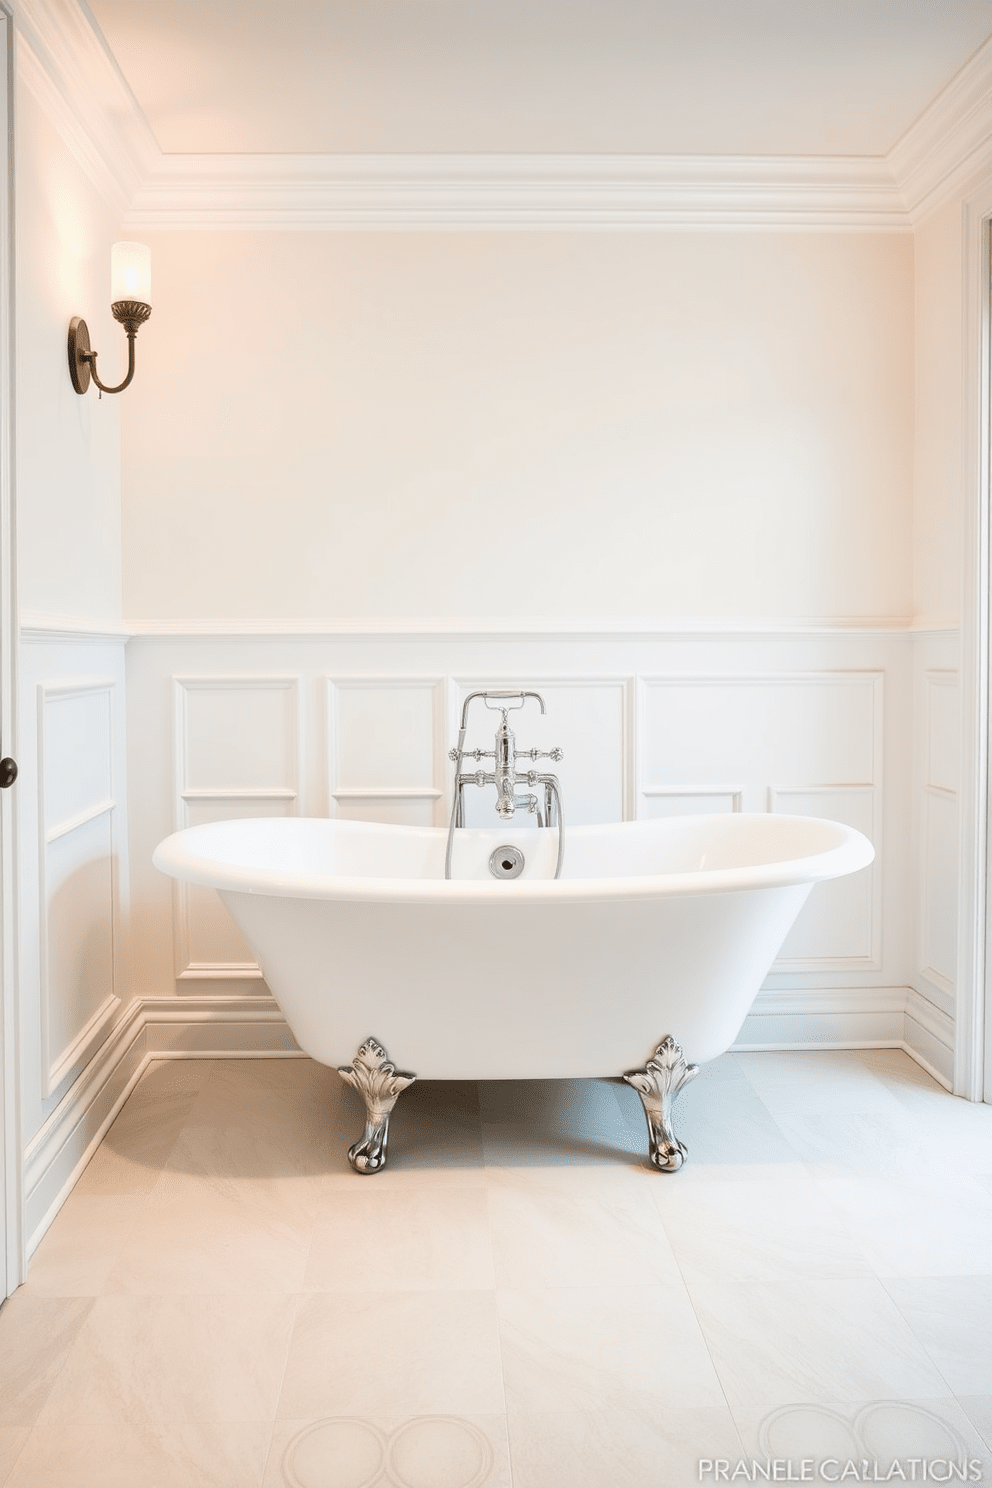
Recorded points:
(807,743)
(940,889)
(385,749)
(939,833)
(77,858)
(586,718)
(943,731)
(839,926)
(691,801)
(237,754)
(701,731)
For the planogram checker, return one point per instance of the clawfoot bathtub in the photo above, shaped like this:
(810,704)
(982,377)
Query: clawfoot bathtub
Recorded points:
(654,941)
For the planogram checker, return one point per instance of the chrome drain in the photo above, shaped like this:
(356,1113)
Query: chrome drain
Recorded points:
(506,862)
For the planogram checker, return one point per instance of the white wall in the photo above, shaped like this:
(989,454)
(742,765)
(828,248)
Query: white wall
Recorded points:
(68,447)
(510,424)
(938,474)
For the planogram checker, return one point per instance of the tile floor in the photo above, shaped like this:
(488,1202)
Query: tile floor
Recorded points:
(517,1300)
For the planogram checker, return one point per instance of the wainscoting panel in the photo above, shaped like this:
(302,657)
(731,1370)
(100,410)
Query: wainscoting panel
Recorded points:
(839,928)
(385,749)
(238,746)
(78,924)
(808,744)
(939,838)
(587,719)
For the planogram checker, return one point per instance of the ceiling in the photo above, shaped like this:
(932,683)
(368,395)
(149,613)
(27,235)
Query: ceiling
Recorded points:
(665,77)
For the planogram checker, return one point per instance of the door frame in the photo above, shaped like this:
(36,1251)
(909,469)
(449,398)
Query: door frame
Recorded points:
(12,1257)
(973,1012)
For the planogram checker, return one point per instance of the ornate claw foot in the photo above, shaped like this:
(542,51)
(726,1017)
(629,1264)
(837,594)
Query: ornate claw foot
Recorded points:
(658,1084)
(379,1085)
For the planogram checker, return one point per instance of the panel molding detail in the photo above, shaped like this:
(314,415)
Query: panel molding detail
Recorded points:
(207,758)
(939,832)
(810,742)
(403,735)
(79,923)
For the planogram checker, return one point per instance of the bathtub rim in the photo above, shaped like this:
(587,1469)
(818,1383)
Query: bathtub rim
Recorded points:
(177,857)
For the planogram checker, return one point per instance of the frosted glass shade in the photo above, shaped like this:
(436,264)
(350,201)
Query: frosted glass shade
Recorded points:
(130,273)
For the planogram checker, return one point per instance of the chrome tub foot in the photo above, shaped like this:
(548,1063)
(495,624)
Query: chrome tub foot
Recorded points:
(658,1083)
(376,1079)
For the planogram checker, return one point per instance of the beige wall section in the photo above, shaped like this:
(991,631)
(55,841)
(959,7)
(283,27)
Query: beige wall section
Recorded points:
(68,447)
(937,502)
(531,424)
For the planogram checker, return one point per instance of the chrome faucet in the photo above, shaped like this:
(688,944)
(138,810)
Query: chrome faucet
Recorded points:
(505,776)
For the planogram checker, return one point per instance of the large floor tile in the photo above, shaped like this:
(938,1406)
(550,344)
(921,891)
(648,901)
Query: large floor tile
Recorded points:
(143,1454)
(399,1353)
(158,1359)
(390,1452)
(792,1342)
(818,1082)
(257,1145)
(785,1229)
(655,1445)
(36,1335)
(231,1235)
(137,1146)
(929,1225)
(257,1092)
(843,1144)
(952,1318)
(978,1409)
(567,1227)
(12,1441)
(81,1248)
(603,1348)
(384,1239)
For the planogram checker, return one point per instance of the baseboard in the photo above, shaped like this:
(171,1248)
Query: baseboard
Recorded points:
(828,1018)
(206,1027)
(929,1037)
(59,1151)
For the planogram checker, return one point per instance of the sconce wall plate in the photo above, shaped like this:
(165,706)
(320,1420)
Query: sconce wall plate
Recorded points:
(79,353)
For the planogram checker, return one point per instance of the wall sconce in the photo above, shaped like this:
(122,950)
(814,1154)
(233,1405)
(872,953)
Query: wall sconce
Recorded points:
(131,295)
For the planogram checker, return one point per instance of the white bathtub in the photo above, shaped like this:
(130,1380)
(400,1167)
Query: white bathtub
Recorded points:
(656,929)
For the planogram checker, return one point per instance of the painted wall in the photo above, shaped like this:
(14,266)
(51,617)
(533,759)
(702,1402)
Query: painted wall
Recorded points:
(938,476)
(68,447)
(522,424)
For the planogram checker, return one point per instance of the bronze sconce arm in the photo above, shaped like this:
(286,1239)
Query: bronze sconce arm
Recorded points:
(132,314)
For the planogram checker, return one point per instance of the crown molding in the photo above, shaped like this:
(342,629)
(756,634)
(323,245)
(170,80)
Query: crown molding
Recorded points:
(62,61)
(514,192)
(951,141)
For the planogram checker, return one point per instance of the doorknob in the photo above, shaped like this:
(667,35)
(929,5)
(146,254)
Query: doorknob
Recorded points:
(8,772)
